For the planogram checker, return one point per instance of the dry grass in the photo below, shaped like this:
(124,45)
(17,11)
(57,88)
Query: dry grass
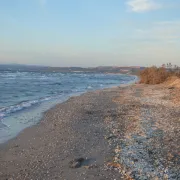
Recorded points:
(154,75)
(173,81)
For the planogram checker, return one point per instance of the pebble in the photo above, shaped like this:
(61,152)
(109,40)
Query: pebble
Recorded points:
(76,163)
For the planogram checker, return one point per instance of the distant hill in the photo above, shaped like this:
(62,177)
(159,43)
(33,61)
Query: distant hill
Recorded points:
(100,69)
(20,67)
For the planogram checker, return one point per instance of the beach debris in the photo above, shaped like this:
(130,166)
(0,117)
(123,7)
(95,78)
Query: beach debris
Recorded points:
(118,167)
(171,88)
(110,137)
(89,112)
(90,167)
(76,163)
(113,165)
(16,146)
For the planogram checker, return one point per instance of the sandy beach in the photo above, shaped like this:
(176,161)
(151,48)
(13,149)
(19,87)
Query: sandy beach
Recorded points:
(124,133)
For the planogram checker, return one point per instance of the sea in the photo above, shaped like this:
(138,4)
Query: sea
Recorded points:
(25,96)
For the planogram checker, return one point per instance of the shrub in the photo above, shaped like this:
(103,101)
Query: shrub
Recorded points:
(154,75)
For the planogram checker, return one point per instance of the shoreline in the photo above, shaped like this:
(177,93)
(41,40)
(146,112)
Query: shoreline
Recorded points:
(96,126)
(23,108)
(60,101)
(54,107)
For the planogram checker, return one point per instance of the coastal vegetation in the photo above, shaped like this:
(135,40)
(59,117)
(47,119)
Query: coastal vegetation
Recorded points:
(157,75)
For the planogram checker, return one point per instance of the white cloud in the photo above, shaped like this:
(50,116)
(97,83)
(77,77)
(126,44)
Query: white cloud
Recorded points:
(143,5)
(164,31)
(42,2)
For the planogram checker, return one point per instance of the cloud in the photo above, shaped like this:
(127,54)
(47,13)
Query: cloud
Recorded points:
(143,5)
(42,2)
(164,31)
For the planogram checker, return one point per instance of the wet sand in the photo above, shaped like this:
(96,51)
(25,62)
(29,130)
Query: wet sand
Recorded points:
(122,133)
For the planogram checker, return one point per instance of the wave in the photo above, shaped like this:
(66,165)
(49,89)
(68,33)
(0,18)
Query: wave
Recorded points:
(17,107)
(5,111)
(52,86)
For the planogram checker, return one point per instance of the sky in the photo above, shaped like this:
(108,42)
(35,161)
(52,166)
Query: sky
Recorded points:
(90,32)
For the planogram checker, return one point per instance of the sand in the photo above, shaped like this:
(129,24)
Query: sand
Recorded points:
(122,133)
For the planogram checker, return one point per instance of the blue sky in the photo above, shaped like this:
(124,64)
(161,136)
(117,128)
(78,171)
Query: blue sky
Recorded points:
(90,32)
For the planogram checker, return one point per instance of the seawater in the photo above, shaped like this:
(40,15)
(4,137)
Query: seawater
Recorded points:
(24,96)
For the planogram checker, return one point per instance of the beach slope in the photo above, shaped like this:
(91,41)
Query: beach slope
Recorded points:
(127,132)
